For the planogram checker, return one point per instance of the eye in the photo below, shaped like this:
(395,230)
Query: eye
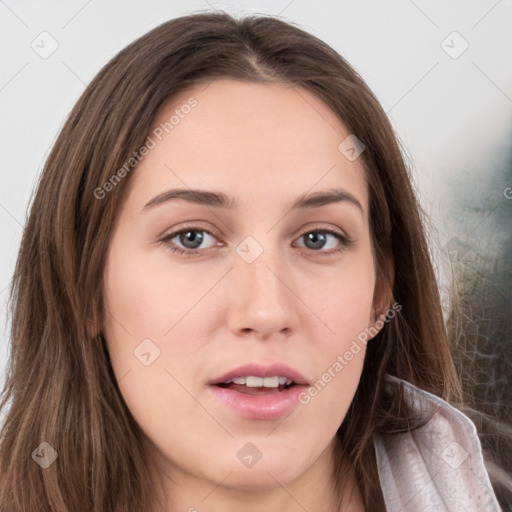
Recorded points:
(324,239)
(189,240)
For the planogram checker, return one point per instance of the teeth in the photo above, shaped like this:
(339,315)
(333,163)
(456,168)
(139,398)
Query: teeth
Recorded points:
(258,382)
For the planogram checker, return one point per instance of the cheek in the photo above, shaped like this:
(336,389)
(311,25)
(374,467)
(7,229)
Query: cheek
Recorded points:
(345,307)
(343,300)
(145,296)
(151,309)
(149,315)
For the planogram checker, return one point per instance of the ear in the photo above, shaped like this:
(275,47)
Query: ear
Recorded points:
(382,297)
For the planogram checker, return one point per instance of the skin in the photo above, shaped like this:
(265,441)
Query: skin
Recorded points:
(263,145)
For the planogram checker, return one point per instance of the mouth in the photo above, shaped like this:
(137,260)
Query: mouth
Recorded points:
(262,392)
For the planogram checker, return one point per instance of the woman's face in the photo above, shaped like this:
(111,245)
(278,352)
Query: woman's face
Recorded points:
(278,284)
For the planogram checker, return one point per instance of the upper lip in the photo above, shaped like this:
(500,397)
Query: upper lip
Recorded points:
(262,370)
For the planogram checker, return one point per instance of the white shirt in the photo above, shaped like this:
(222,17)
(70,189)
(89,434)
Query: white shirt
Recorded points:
(436,468)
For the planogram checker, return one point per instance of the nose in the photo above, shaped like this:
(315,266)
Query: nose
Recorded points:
(262,301)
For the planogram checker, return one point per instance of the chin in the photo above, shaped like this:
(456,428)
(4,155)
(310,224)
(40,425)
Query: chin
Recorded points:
(258,469)
(262,477)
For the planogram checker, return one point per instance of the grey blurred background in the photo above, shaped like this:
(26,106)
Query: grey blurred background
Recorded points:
(443,72)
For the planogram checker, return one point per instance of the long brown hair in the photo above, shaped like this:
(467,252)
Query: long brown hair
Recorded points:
(60,386)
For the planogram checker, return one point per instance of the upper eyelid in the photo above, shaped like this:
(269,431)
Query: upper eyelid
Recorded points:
(195,227)
(343,237)
(173,234)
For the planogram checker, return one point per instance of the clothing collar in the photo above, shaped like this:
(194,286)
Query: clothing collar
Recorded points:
(438,467)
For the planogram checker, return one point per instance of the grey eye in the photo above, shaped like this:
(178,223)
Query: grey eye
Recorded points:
(192,239)
(318,239)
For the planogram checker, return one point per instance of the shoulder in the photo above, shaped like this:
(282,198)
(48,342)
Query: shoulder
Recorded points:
(437,467)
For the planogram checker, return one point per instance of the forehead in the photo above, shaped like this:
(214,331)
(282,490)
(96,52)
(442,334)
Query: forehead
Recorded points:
(249,138)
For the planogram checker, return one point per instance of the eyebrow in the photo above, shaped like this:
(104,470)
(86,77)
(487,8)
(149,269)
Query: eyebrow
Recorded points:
(221,200)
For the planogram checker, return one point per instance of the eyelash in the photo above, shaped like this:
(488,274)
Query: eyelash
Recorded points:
(345,241)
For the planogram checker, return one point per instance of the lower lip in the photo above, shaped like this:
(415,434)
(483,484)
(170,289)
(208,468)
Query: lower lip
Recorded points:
(259,407)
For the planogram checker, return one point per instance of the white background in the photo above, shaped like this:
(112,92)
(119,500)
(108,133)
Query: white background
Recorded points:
(452,115)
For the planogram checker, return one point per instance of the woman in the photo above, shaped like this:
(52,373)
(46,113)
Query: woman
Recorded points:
(224,297)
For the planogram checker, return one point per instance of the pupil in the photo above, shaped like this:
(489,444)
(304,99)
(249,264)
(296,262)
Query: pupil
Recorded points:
(317,239)
(194,238)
